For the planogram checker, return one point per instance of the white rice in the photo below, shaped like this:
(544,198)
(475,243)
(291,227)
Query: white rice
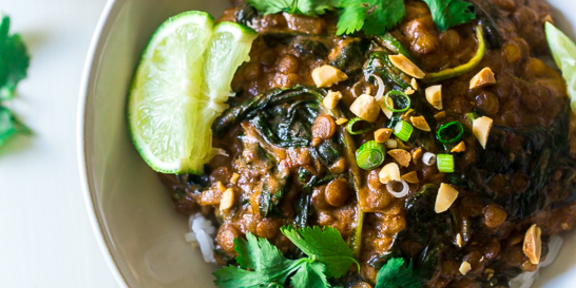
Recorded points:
(526,279)
(202,235)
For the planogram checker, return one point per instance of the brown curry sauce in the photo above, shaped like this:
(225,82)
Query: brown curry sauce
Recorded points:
(528,94)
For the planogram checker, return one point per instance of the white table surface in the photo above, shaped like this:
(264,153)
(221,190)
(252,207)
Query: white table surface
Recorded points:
(45,237)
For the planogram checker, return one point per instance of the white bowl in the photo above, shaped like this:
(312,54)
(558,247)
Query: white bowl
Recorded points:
(134,219)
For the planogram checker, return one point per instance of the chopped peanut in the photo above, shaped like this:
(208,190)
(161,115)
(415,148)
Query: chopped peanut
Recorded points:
(446,197)
(408,113)
(341,121)
(331,100)
(414,84)
(420,123)
(411,177)
(327,75)
(461,147)
(548,18)
(459,240)
(220,186)
(390,172)
(402,145)
(227,199)
(440,115)
(366,108)
(434,96)
(234,178)
(339,166)
(409,91)
(465,268)
(417,154)
(481,129)
(533,244)
(382,135)
(385,109)
(405,65)
(402,156)
(483,78)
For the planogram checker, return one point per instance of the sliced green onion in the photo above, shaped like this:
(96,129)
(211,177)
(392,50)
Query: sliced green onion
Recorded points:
(371,155)
(446,133)
(352,126)
(445,163)
(403,130)
(403,99)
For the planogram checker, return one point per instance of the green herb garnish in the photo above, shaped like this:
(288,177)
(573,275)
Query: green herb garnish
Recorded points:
(371,155)
(357,126)
(296,7)
(375,17)
(450,13)
(14,62)
(328,257)
(445,163)
(400,97)
(403,130)
(450,132)
(395,274)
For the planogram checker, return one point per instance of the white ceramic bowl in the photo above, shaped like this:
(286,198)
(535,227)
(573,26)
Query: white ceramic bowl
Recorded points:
(139,232)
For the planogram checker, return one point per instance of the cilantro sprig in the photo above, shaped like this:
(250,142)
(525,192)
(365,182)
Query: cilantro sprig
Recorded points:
(450,13)
(14,62)
(312,8)
(262,264)
(396,274)
(374,17)
(325,245)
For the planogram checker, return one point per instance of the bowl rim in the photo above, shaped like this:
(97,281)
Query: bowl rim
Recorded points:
(97,45)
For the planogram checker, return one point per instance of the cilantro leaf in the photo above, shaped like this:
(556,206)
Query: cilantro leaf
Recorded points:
(258,254)
(14,60)
(397,275)
(450,13)
(272,7)
(318,7)
(232,277)
(310,274)
(303,7)
(375,17)
(268,263)
(8,127)
(326,246)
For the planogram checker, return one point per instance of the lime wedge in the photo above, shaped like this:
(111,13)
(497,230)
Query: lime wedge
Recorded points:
(229,48)
(181,86)
(564,53)
(165,92)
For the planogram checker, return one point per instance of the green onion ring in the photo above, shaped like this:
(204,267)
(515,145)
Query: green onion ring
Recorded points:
(371,155)
(351,123)
(402,95)
(403,130)
(447,125)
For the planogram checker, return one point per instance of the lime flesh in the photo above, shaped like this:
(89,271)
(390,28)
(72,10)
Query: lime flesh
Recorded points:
(564,53)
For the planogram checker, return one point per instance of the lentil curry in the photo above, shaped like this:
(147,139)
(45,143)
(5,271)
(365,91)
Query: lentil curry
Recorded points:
(290,147)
